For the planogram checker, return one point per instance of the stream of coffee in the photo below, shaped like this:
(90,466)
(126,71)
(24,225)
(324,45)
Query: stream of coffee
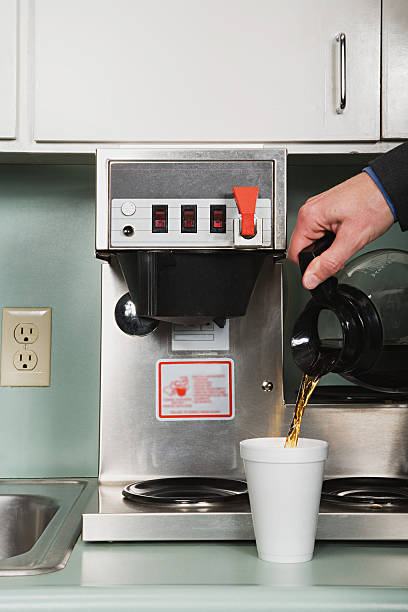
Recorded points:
(306,389)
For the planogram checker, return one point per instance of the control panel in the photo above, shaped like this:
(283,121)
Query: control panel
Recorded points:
(191,199)
(192,223)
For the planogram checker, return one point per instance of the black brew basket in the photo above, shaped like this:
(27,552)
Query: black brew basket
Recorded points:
(191,287)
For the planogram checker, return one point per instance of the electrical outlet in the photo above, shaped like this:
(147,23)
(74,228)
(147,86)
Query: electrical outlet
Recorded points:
(25,347)
(26,333)
(25,360)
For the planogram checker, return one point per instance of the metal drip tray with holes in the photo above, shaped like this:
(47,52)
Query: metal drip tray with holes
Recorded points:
(40,521)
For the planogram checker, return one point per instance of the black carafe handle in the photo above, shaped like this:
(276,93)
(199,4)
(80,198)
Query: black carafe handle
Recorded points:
(325,291)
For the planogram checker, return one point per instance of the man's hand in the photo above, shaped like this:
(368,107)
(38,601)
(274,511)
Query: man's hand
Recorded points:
(355,211)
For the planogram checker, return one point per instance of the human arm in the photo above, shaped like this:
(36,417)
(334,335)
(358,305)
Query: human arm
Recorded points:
(356,211)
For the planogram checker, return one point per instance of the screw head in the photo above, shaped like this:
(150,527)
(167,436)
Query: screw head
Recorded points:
(267,386)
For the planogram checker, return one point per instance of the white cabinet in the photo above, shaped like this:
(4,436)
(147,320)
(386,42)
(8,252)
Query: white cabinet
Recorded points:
(395,69)
(205,70)
(8,68)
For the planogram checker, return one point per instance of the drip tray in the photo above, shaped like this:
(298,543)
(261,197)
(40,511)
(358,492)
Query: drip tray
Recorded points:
(187,491)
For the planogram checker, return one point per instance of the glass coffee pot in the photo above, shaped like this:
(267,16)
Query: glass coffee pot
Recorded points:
(356,324)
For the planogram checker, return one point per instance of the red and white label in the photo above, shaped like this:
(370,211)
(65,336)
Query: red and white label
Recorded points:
(195,389)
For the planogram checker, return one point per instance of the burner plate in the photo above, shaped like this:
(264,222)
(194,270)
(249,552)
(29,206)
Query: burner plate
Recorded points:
(197,490)
(375,492)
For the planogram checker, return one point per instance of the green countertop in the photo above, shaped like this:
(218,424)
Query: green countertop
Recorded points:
(216,577)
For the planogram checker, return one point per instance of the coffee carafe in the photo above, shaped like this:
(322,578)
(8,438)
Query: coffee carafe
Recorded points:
(356,324)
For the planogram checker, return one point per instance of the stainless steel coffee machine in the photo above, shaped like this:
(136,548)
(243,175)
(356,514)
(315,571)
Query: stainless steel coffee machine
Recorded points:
(191,357)
(191,346)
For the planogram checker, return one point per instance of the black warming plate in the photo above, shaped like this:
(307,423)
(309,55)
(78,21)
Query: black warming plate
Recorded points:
(186,490)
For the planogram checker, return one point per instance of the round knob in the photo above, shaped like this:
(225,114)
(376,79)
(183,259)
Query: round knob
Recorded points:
(128,231)
(129,322)
(267,386)
(128,209)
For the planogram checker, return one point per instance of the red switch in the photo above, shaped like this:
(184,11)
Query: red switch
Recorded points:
(246,197)
(218,218)
(189,218)
(159,218)
(218,215)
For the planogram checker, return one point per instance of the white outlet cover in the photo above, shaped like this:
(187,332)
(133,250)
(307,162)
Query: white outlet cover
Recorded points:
(39,376)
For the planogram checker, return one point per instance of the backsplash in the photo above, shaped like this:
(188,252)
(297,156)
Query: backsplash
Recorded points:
(47,256)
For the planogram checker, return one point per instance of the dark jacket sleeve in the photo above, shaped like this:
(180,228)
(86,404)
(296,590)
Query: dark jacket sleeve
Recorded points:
(392,171)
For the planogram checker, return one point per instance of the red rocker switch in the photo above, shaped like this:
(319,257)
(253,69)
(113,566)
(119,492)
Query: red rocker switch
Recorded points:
(246,197)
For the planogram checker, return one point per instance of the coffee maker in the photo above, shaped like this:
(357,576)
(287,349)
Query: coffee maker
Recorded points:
(191,336)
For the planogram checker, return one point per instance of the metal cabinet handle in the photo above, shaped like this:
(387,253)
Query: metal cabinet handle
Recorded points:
(341,38)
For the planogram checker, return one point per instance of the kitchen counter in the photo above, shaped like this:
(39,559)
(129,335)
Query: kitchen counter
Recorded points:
(216,577)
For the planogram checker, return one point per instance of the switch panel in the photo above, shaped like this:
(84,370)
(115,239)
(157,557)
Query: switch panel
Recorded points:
(25,347)
(184,223)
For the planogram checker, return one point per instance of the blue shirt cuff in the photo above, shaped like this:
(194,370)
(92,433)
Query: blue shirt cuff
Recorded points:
(387,198)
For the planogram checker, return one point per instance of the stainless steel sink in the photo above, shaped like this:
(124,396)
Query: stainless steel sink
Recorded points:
(40,521)
(23,519)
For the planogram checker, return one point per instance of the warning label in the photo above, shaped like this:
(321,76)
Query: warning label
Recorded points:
(202,389)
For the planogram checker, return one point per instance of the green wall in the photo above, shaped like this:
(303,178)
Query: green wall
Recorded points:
(47,255)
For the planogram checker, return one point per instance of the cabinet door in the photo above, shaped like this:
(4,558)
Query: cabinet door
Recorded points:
(205,70)
(395,69)
(8,68)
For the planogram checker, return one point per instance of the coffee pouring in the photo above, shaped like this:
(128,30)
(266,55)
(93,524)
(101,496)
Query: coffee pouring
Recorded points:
(356,324)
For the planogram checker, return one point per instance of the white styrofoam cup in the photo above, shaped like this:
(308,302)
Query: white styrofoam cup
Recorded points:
(284,486)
